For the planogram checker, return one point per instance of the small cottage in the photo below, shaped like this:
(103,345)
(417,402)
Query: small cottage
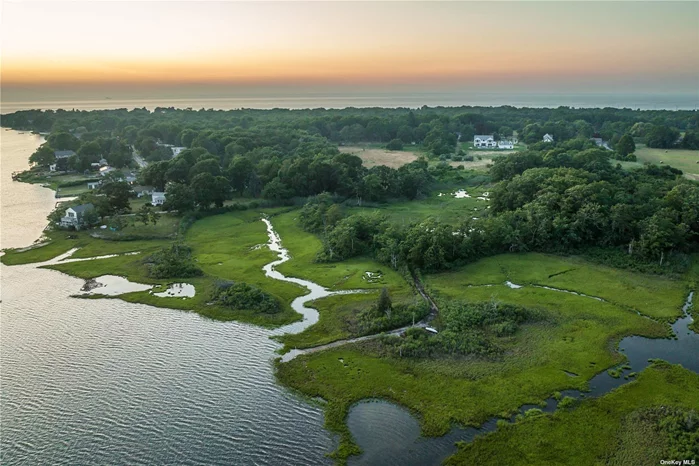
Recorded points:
(52,167)
(157,198)
(75,216)
(93,184)
(548,138)
(504,144)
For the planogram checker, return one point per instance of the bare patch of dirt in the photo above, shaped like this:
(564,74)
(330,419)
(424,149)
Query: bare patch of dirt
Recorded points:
(374,157)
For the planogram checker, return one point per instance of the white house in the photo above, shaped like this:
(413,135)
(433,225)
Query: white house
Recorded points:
(548,138)
(157,198)
(75,216)
(93,184)
(52,167)
(504,144)
(484,141)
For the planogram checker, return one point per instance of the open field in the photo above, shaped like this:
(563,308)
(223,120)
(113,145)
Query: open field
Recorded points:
(576,337)
(685,160)
(379,156)
(654,296)
(446,208)
(598,431)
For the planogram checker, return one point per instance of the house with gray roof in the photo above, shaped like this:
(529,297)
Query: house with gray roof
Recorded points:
(75,216)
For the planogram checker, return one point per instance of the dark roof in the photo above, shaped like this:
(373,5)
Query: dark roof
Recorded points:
(63,153)
(79,209)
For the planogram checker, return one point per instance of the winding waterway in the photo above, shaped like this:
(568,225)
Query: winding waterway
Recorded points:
(109,382)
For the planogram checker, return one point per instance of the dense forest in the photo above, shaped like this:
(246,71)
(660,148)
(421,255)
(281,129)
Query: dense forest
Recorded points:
(560,196)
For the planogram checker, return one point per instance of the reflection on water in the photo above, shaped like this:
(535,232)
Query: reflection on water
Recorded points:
(177,290)
(112,285)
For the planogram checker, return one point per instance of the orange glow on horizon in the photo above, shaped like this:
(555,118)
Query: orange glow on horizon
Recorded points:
(369,43)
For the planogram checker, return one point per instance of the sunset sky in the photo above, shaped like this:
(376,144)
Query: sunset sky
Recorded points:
(635,46)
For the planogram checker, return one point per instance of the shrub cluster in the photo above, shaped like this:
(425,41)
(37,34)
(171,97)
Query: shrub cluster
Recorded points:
(468,328)
(174,261)
(242,296)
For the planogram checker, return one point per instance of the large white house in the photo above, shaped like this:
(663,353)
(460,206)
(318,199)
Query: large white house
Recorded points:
(157,198)
(504,144)
(75,216)
(484,141)
(548,137)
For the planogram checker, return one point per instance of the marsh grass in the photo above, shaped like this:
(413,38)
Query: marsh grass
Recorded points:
(605,430)
(577,337)
(651,295)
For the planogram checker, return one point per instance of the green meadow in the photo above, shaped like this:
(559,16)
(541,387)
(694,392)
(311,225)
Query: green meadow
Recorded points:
(685,160)
(441,205)
(655,296)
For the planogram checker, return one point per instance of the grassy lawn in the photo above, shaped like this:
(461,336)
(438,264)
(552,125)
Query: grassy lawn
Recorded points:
(576,337)
(654,296)
(166,228)
(598,431)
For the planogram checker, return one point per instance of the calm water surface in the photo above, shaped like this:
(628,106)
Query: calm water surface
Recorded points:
(339,99)
(109,382)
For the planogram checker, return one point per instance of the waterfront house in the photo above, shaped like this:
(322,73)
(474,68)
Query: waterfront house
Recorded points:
(63,154)
(75,216)
(157,198)
(484,141)
(548,137)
